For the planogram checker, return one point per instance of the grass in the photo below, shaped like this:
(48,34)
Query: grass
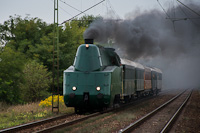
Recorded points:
(20,114)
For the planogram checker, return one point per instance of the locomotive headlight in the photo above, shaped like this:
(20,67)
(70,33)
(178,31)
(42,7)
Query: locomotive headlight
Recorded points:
(98,88)
(87,46)
(74,88)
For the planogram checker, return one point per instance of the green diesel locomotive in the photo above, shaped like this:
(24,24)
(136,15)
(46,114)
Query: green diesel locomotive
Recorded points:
(99,79)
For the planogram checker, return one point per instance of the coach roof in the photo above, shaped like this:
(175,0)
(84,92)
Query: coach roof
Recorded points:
(156,69)
(131,63)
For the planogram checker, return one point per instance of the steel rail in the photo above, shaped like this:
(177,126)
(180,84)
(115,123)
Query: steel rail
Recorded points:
(147,116)
(64,125)
(36,123)
(169,124)
(33,124)
(53,128)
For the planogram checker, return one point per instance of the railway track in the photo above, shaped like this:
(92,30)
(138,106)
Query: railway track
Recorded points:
(51,124)
(34,124)
(122,107)
(67,124)
(162,118)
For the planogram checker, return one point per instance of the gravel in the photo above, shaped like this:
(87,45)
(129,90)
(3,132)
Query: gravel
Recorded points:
(189,120)
(114,121)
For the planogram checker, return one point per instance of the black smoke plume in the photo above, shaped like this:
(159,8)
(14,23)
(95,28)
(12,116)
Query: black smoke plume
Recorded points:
(170,41)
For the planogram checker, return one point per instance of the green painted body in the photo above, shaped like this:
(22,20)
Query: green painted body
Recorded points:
(139,79)
(87,59)
(92,68)
(129,77)
(95,67)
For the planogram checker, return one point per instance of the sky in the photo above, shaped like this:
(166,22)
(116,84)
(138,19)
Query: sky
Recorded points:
(179,45)
(44,9)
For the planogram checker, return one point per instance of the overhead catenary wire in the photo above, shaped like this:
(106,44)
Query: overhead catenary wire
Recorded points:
(190,18)
(63,9)
(185,14)
(111,7)
(163,9)
(82,12)
(174,19)
(168,16)
(71,6)
(188,8)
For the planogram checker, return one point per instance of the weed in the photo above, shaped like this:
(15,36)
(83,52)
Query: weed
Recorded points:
(20,114)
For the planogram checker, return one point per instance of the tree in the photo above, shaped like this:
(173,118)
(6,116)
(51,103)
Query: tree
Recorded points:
(11,66)
(37,82)
(33,38)
(23,34)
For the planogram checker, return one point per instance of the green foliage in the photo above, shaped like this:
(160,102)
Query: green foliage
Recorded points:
(31,38)
(24,33)
(37,81)
(11,66)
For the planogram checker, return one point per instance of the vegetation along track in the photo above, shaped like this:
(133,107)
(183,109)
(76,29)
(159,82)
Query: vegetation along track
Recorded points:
(85,117)
(33,126)
(92,120)
(160,119)
(66,120)
(54,123)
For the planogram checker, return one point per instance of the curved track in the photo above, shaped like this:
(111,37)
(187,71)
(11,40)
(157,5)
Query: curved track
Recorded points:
(160,119)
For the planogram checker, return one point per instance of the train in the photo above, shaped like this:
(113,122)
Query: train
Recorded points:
(100,79)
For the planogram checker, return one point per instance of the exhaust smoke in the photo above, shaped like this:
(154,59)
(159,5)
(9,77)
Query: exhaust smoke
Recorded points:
(173,45)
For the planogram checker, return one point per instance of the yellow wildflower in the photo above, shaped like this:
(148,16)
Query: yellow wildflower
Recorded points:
(48,101)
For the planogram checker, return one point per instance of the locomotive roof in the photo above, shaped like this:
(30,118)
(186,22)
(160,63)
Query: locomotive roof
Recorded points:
(131,63)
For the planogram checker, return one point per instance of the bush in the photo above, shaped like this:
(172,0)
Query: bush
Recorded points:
(37,82)
(48,101)
(11,67)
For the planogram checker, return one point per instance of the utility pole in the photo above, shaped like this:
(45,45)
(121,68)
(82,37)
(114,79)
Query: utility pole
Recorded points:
(55,85)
